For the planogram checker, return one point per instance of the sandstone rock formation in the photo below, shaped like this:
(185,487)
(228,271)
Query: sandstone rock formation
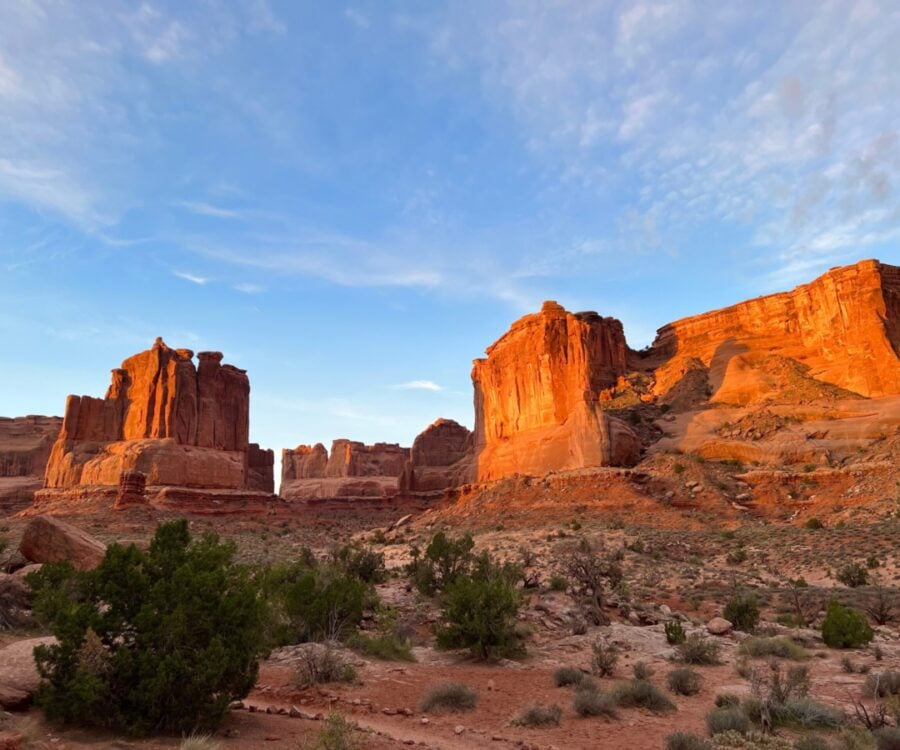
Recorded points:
(537,396)
(352,470)
(25,444)
(442,457)
(132,489)
(19,678)
(48,539)
(842,330)
(179,424)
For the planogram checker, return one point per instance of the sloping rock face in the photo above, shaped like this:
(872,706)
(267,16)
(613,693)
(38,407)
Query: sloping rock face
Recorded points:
(441,457)
(841,330)
(352,470)
(47,540)
(537,396)
(25,445)
(179,424)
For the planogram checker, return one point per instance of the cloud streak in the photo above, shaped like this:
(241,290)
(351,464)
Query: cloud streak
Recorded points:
(419,385)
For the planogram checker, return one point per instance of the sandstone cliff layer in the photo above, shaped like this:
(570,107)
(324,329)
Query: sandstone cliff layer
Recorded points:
(352,470)
(537,396)
(441,457)
(25,445)
(843,330)
(177,423)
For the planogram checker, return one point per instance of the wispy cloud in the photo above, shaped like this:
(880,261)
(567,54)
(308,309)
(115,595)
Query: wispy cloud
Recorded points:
(763,117)
(356,18)
(208,209)
(193,278)
(248,288)
(419,385)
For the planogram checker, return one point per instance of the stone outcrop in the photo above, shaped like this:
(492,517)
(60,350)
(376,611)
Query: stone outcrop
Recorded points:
(19,678)
(48,539)
(441,457)
(351,470)
(179,424)
(537,396)
(260,470)
(25,445)
(841,330)
(132,489)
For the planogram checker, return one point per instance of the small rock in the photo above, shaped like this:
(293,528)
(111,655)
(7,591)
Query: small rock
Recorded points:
(459,729)
(490,686)
(719,626)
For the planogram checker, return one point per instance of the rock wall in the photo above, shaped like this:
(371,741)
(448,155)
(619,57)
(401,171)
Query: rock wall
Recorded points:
(352,469)
(179,424)
(25,445)
(441,457)
(843,329)
(537,396)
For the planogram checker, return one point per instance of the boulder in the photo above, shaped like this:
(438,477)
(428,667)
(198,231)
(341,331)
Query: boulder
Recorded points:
(48,539)
(19,678)
(719,626)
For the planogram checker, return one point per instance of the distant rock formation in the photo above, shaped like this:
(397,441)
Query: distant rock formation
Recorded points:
(352,470)
(442,457)
(25,445)
(842,330)
(537,396)
(179,424)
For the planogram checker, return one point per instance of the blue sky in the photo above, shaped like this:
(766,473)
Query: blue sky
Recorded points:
(352,200)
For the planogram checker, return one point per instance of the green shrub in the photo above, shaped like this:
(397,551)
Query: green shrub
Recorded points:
(558,583)
(387,647)
(853,575)
(604,659)
(565,676)
(642,671)
(721,720)
(781,647)
(321,603)
(807,713)
(883,684)
(674,633)
(538,716)
(643,694)
(742,611)
(812,743)
(594,703)
(845,627)
(479,613)
(814,524)
(685,741)
(684,681)
(445,559)
(149,641)
(362,563)
(699,650)
(727,700)
(449,696)
(337,734)
(320,665)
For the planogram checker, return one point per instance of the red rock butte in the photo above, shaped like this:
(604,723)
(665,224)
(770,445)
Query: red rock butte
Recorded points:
(537,396)
(551,393)
(181,425)
(843,329)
